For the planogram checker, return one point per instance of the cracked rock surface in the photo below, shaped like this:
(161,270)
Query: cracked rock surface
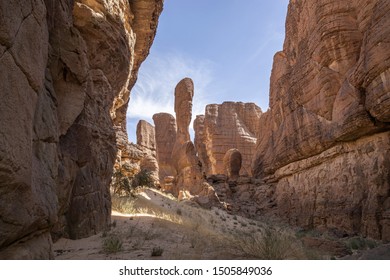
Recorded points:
(66,68)
(324,141)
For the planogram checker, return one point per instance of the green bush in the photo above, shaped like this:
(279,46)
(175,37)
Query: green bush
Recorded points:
(157,251)
(123,185)
(143,179)
(112,244)
(360,243)
(269,245)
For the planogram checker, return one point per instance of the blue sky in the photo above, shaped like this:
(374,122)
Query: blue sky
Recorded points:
(225,46)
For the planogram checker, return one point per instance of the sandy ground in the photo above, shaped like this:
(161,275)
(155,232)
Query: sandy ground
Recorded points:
(180,229)
(157,226)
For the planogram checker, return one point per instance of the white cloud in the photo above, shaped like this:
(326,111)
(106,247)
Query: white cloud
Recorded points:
(157,79)
(272,37)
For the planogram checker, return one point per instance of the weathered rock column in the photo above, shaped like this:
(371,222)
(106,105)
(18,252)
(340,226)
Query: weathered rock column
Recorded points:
(146,140)
(186,163)
(165,130)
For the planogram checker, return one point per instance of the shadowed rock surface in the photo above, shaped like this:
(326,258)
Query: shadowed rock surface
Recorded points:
(66,70)
(232,162)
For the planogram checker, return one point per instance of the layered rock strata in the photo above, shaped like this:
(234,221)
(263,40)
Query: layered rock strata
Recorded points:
(323,140)
(66,70)
(224,127)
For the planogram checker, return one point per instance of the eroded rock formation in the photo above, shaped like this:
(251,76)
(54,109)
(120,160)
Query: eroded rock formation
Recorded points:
(66,70)
(146,135)
(184,158)
(325,141)
(232,162)
(180,167)
(165,131)
(146,140)
(223,127)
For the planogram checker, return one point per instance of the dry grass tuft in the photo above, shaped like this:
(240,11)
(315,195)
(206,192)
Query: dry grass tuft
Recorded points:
(123,204)
(269,244)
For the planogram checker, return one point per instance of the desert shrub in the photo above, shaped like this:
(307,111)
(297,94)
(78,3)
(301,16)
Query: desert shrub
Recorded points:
(121,184)
(143,178)
(269,244)
(112,244)
(157,251)
(359,243)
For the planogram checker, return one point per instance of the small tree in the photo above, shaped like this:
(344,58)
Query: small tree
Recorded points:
(121,184)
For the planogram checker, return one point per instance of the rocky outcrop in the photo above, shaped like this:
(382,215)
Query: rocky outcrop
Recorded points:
(245,196)
(180,168)
(132,159)
(146,135)
(323,140)
(184,158)
(146,140)
(223,127)
(165,133)
(66,70)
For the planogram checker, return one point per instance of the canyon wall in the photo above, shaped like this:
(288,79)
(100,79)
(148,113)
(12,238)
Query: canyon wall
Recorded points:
(66,71)
(223,127)
(324,141)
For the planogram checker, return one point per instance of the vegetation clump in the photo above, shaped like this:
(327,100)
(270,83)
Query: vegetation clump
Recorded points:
(124,185)
(112,244)
(157,251)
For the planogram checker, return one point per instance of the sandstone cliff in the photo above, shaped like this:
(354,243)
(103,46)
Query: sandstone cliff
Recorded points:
(325,139)
(66,71)
(224,127)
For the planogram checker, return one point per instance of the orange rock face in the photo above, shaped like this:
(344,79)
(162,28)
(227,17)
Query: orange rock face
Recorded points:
(146,140)
(223,127)
(322,140)
(184,158)
(146,135)
(165,130)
